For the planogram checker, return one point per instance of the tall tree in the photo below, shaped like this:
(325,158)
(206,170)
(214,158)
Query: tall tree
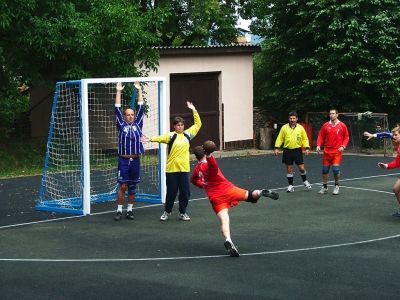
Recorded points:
(45,41)
(197,22)
(318,54)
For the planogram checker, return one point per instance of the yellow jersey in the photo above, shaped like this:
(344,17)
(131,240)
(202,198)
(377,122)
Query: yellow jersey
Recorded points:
(178,159)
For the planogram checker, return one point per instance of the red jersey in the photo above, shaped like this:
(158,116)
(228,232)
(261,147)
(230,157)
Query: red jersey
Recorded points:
(395,163)
(333,136)
(207,175)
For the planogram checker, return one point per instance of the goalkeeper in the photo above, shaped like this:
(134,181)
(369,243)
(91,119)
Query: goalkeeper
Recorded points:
(130,148)
(221,192)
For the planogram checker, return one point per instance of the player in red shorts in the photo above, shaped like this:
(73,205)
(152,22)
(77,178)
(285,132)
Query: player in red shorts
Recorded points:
(222,193)
(335,137)
(395,164)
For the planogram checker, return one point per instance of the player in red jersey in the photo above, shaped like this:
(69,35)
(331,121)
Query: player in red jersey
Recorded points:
(395,164)
(334,136)
(222,193)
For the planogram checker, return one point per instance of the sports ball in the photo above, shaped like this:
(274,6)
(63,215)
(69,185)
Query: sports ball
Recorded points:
(209,147)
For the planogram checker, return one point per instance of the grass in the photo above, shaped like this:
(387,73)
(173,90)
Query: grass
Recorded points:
(22,157)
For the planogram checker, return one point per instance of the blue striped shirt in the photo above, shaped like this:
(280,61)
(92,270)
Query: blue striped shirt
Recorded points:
(129,134)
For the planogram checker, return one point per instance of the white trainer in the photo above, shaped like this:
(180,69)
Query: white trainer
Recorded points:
(184,217)
(307,184)
(323,191)
(335,190)
(290,189)
(165,216)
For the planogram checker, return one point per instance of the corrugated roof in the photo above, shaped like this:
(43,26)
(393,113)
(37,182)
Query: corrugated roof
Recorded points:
(241,48)
(209,46)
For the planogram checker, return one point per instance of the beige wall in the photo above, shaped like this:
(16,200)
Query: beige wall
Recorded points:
(236,87)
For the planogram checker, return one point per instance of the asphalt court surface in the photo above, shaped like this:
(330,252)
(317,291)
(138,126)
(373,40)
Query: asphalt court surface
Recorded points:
(302,246)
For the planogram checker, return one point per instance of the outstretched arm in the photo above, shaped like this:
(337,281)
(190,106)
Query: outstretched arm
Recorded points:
(140,94)
(194,129)
(119,89)
(381,135)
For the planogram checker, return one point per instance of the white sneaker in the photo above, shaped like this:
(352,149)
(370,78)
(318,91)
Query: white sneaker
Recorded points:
(323,191)
(184,217)
(290,189)
(307,184)
(335,190)
(165,216)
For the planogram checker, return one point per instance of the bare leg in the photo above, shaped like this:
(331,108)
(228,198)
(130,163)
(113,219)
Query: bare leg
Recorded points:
(396,190)
(325,178)
(337,178)
(121,194)
(223,217)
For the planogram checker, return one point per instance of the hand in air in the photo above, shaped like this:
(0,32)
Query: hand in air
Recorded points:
(137,85)
(120,87)
(190,105)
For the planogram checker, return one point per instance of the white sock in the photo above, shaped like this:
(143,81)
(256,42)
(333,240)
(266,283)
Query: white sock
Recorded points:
(229,240)
(119,208)
(130,206)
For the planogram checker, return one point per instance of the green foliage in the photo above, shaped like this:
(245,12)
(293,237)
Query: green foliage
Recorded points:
(197,22)
(47,41)
(318,54)
(22,157)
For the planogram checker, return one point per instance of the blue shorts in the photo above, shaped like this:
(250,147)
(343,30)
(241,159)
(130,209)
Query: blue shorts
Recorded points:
(128,170)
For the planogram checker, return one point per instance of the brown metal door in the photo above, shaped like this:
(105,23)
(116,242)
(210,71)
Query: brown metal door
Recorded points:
(201,89)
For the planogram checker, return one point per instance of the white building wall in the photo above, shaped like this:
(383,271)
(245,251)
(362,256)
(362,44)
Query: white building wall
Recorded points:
(236,87)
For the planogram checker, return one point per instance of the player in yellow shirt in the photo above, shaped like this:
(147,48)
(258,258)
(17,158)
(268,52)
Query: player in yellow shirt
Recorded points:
(178,163)
(293,137)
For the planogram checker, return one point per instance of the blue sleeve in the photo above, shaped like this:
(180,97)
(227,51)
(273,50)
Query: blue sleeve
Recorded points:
(119,117)
(384,135)
(139,116)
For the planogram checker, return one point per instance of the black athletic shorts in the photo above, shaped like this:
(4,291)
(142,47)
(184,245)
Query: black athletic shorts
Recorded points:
(292,155)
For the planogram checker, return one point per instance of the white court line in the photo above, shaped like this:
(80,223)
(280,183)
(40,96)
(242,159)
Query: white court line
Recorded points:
(351,179)
(152,205)
(367,190)
(81,216)
(197,257)
(201,256)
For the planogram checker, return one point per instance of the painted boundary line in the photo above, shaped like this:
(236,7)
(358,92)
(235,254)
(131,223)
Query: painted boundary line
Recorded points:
(315,248)
(152,205)
(201,256)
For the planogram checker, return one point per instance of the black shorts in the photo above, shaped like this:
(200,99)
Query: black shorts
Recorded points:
(292,155)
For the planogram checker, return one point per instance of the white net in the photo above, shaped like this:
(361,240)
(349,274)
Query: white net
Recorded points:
(62,182)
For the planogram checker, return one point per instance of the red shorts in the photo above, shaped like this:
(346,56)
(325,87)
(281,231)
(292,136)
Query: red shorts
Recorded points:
(332,158)
(231,197)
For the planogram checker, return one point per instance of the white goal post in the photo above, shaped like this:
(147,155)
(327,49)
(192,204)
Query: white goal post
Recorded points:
(81,156)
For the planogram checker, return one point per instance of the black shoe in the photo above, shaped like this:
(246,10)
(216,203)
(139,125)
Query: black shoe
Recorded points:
(118,216)
(129,215)
(270,194)
(231,249)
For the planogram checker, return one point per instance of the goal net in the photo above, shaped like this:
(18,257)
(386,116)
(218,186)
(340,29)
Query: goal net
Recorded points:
(82,154)
(357,124)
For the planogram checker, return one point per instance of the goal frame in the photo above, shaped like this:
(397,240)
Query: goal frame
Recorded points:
(85,146)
